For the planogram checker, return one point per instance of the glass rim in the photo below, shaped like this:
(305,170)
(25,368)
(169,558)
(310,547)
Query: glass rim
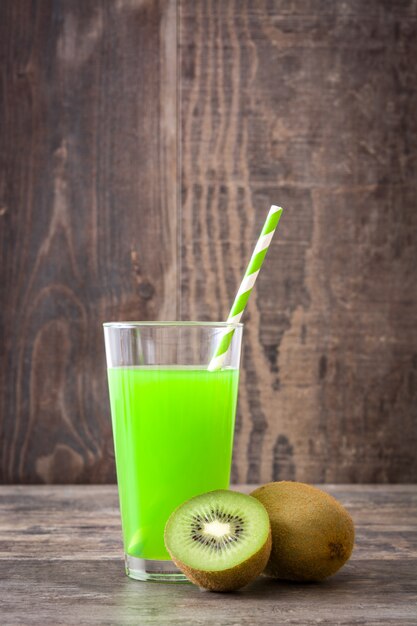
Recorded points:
(135,324)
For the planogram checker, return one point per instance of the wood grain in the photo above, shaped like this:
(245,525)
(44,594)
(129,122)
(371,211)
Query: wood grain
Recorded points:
(61,563)
(88,197)
(310,105)
(117,202)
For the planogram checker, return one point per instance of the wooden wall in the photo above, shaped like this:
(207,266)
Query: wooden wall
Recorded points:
(141,143)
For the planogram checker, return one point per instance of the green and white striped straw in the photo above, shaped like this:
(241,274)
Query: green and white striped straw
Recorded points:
(246,285)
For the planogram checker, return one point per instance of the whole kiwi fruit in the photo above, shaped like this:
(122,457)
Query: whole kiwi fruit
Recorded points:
(312,533)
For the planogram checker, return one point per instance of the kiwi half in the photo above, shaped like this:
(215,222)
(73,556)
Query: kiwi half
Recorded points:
(312,533)
(221,540)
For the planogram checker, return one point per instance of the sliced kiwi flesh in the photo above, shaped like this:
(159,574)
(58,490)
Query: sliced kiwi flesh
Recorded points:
(221,540)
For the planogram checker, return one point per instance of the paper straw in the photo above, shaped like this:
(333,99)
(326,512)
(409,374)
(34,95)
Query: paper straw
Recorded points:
(246,285)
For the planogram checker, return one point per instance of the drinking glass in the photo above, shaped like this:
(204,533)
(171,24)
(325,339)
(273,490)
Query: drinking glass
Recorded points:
(173,423)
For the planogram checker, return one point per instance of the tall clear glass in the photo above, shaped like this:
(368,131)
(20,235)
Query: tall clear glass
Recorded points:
(173,423)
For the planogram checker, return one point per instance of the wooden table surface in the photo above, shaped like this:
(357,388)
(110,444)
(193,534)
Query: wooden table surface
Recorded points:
(61,563)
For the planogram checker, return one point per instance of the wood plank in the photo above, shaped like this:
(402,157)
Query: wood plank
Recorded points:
(60,563)
(88,214)
(279,102)
(88,592)
(310,105)
(36,522)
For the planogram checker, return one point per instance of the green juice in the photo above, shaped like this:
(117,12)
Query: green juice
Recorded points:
(173,437)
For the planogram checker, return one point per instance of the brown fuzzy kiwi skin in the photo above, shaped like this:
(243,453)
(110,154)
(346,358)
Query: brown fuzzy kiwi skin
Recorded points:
(312,533)
(233,578)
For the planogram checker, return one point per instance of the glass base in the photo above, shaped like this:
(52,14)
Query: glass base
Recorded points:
(157,571)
